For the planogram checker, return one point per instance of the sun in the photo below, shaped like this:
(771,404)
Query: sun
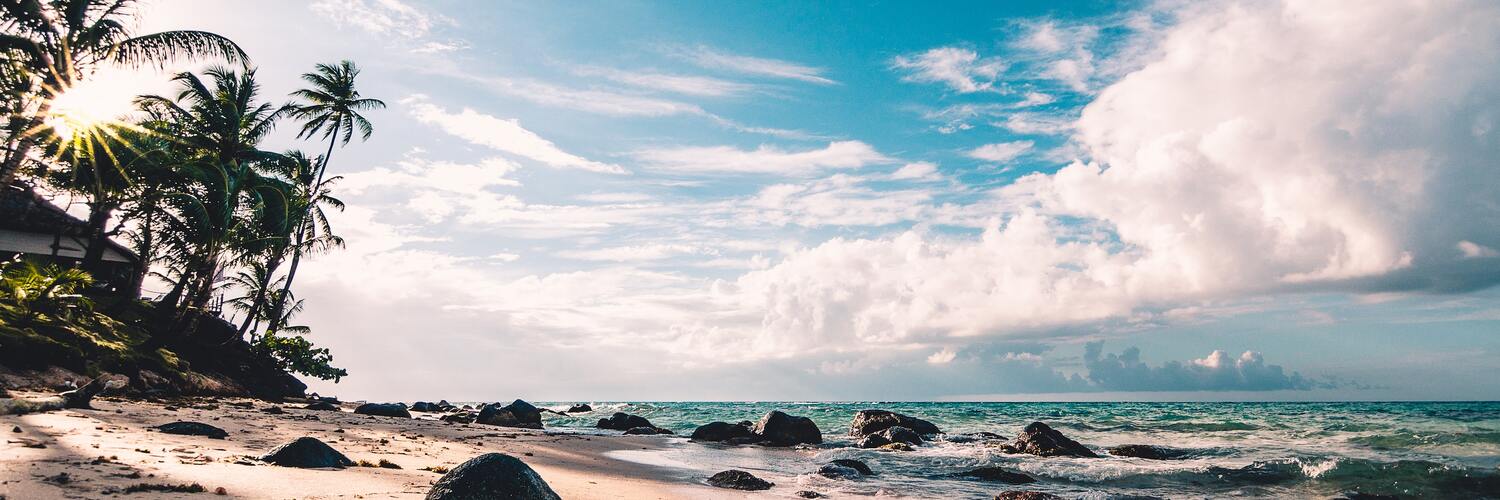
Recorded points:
(87,105)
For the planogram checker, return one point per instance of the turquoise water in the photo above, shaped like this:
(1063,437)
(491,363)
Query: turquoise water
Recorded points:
(1305,450)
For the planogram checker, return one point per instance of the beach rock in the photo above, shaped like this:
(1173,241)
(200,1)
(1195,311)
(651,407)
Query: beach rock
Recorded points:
(516,414)
(890,435)
(808,494)
(633,431)
(623,422)
(580,408)
(1026,495)
(383,410)
(844,469)
(322,406)
(1148,452)
(273,410)
(739,480)
(307,453)
(1040,440)
(895,447)
(724,431)
(424,406)
(780,429)
(193,429)
(998,474)
(868,422)
(458,418)
(492,476)
(858,465)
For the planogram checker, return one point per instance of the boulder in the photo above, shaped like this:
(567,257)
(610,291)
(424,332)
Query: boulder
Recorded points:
(858,465)
(383,410)
(998,474)
(193,429)
(623,422)
(1040,440)
(463,417)
(322,406)
(580,408)
(634,431)
(424,406)
(516,414)
(723,431)
(444,405)
(868,422)
(844,468)
(1148,452)
(895,447)
(808,494)
(780,429)
(739,480)
(1026,495)
(741,441)
(307,453)
(890,435)
(490,476)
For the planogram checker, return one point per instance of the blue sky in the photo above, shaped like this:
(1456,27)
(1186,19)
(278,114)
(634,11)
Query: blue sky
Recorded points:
(794,200)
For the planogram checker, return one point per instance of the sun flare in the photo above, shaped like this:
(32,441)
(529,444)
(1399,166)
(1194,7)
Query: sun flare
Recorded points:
(87,105)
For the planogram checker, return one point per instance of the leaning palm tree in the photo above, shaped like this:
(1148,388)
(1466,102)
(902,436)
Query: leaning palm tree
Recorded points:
(332,110)
(47,46)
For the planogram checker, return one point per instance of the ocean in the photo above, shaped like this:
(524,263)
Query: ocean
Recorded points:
(1286,450)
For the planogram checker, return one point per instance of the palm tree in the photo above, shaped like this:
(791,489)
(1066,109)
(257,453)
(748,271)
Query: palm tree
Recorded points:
(306,199)
(47,46)
(333,110)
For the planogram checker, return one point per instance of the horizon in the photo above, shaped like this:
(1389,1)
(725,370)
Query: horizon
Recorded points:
(778,201)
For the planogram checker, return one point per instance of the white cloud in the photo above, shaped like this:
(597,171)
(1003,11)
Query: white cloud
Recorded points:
(762,160)
(942,357)
(839,200)
(960,69)
(917,171)
(681,84)
(712,59)
(383,17)
(1473,250)
(1064,50)
(435,189)
(634,253)
(503,135)
(1001,152)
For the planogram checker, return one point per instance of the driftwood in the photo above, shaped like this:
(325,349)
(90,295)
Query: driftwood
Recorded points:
(76,398)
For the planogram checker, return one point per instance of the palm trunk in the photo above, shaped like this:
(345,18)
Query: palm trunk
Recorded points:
(93,256)
(302,229)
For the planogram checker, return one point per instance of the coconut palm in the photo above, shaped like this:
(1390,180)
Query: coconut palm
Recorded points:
(47,46)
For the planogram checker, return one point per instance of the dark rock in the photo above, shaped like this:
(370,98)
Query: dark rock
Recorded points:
(383,410)
(444,405)
(1355,495)
(492,476)
(844,468)
(896,447)
(307,453)
(623,422)
(16,429)
(458,418)
(973,437)
(890,435)
(780,429)
(646,431)
(516,414)
(1040,440)
(1026,495)
(274,410)
(998,474)
(741,441)
(858,465)
(723,431)
(580,408)
(1148,452)
(808,494)
(868,422)
(322,406)
(739,480)
(193,429)
(424,406)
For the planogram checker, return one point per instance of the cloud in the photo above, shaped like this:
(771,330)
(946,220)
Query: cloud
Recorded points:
(390,18)
(1001,152)
(762,160)
(634,253)
(1064,50)
(1216,372)
(960,69)
(681,84)
(712,59)
(1472,250)
(917,171)
(839,200)
(435,190)
(502,135)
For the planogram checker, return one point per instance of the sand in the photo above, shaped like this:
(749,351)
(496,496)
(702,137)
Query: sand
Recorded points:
(108,449)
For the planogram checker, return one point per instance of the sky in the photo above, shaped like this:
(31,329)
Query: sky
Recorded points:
(1221,200)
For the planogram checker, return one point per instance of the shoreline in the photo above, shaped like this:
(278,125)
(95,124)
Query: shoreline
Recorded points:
(112,447)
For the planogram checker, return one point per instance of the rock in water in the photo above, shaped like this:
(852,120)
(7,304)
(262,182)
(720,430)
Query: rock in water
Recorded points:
(998,474)
(383,410)
(424,406)
(780,429)
(808,494)
(844,468)
(1040,440)
(322,406)
(738,480)
(492,476)
(1026,495)
(724,431)
(868,422)
(193,429)
(580,408)
(890,435)
(307,453)
(646,431)
(858,465)
(623,422)
(516,414)
(1147,451)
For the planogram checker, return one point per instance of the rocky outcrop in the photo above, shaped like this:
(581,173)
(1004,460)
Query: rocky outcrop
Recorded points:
(1148,452)
(868,422)
(383,410)
(623,422)
(724,431)
(1026,495)
(1040,440)
(739,480)
(845,468)
(889,435)
(193,429)
(516,414)
(999,475)
(779,429)
(307,453)
(491,476)
(580,408)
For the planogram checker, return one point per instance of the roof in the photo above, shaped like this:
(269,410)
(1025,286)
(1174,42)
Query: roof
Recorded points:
(31,224)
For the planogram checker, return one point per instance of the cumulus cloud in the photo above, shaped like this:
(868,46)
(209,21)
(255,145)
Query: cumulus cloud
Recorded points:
(959,68)
(762,160)
(501,134)
(1219,371)
(1001,152)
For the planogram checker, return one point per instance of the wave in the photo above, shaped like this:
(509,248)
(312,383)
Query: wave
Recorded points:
(1406,439)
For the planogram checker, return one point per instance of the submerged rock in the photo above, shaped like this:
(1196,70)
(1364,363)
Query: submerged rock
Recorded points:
(724,431)
(516,414)
(998,474)
(192,429)
(383,410)
(1148,452)
(1040,440)
(858,465)
(808,494)
(491,476)
(580,408)
(868,422)
(973,437)
(895,447)
(844,468)
(739,480)
(307,453)
(623,422)
(780,429)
